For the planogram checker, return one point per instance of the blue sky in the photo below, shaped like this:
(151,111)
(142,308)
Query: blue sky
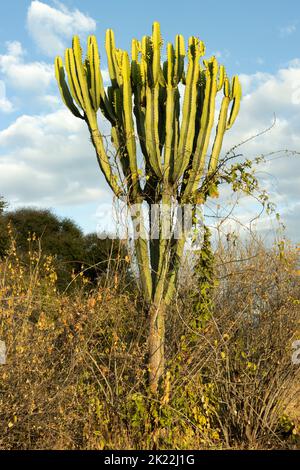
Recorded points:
(45,155)
(249,31)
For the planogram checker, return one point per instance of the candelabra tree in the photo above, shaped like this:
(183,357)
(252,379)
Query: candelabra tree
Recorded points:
(165,113)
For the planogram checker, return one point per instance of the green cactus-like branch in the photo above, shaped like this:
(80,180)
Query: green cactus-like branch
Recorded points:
(63,87)
(167,111)
(143,105)
(144,100)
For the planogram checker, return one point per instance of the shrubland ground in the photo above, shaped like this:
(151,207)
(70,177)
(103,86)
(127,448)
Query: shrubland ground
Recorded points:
(76,371)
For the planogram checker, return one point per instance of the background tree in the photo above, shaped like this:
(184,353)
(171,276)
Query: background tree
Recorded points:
(2,205)
(3,232)
(174,138)
(104,257)
(64,240)
(61,238)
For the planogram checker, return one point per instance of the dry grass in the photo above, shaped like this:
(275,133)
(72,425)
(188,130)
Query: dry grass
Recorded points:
(75,376)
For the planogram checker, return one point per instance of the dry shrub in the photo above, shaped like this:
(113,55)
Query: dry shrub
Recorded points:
(76,373)
(245,350)
(257,313)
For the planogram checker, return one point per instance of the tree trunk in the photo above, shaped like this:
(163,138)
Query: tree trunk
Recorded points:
(156,345)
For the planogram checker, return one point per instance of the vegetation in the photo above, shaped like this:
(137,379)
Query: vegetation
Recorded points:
(174,143)
(4,242)
(2,205)
(106,350)
(64,241)
(75,373)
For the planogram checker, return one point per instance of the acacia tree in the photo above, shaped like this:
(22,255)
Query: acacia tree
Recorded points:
(147,115)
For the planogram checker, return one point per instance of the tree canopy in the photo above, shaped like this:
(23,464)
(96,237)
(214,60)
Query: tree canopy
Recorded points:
(64,240)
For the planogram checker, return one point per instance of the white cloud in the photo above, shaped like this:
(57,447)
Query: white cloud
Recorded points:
(28,76)
(5,105)
(221,55)
(252,82)
(14,48)
(51,101)
(217,54)
(263,96)
(52,27)
(287,30)
(266,95)
(50,160)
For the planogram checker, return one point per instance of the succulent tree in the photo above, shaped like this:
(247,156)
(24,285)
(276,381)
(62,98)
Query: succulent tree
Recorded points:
(163,112)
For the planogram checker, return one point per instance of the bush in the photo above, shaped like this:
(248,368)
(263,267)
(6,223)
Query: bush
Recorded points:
(62,239)
(75,376)
(4,241)
(104,256)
